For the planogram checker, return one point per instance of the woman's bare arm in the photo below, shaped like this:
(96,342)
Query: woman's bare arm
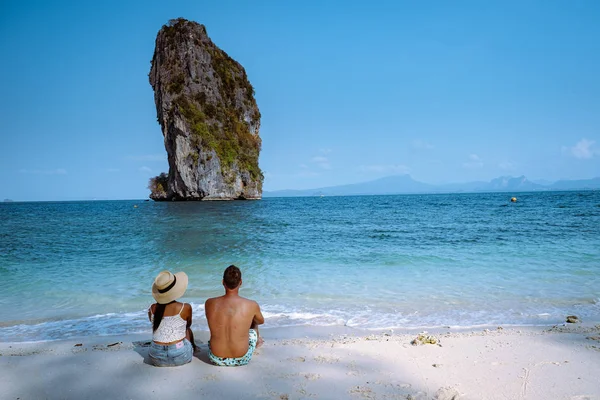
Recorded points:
(188,329)
(150,312)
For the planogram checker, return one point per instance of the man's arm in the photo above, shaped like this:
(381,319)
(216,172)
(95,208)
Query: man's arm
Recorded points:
(208,310)
(258,317)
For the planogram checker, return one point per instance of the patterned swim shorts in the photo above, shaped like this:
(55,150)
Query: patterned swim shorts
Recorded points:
(235,362)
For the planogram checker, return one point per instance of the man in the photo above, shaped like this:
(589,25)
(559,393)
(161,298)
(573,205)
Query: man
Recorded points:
(233,322)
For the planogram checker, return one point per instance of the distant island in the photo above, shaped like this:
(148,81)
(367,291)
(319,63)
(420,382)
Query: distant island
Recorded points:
(209,118)
(8,201)
(404,184)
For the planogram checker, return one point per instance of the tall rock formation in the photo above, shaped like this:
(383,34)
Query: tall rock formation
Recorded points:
(210,121)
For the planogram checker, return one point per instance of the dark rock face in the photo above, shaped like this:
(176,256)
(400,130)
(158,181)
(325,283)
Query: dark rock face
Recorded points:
(210,121)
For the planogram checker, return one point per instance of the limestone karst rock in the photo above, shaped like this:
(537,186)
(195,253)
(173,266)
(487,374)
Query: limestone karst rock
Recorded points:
(210,121)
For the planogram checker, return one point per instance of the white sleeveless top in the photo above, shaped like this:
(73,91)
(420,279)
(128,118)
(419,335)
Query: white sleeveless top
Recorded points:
(171,328)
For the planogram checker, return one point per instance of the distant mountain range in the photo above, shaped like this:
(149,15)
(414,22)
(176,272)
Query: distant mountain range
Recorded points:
(404,184)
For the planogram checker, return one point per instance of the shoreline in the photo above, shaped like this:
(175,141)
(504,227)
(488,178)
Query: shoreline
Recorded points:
(559,362)
(319,331)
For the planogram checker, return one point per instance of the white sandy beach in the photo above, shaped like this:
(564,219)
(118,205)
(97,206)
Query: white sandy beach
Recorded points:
(509,363)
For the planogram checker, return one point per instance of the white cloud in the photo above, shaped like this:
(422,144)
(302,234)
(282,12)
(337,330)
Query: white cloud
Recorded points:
(507,165)
(148,157)
(474,162)
(385,168)
(421,145)
(321,161)
(57,171)
(584,149)
(145,169)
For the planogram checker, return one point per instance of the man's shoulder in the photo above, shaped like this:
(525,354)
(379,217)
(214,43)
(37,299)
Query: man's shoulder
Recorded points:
(249,301)
(212,299)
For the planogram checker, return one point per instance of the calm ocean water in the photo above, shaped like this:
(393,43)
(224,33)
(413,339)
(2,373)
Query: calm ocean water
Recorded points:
(73,269)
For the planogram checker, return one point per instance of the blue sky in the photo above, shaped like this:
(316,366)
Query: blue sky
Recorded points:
(348,91)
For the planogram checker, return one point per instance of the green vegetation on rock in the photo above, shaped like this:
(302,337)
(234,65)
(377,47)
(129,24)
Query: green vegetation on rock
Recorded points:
(225,133)
(158,185)
(176,85)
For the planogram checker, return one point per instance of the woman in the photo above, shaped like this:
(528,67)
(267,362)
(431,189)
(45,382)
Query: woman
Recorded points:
(172,339)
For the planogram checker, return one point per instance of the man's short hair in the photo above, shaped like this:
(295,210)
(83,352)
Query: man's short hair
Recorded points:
(232,277)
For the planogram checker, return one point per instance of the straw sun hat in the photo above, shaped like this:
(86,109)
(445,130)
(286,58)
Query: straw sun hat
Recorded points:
(168,287)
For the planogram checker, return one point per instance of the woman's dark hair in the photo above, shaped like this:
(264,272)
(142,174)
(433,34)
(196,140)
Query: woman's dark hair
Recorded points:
(158,316)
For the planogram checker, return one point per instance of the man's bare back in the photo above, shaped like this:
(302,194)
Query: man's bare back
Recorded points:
(230,317)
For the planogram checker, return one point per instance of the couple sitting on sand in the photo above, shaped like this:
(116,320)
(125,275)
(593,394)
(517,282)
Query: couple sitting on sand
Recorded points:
(233,322)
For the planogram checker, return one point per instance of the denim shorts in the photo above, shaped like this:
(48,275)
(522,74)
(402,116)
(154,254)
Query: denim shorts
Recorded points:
(170,355)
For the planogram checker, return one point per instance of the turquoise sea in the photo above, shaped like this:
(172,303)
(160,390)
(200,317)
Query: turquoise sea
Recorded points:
(71,269)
